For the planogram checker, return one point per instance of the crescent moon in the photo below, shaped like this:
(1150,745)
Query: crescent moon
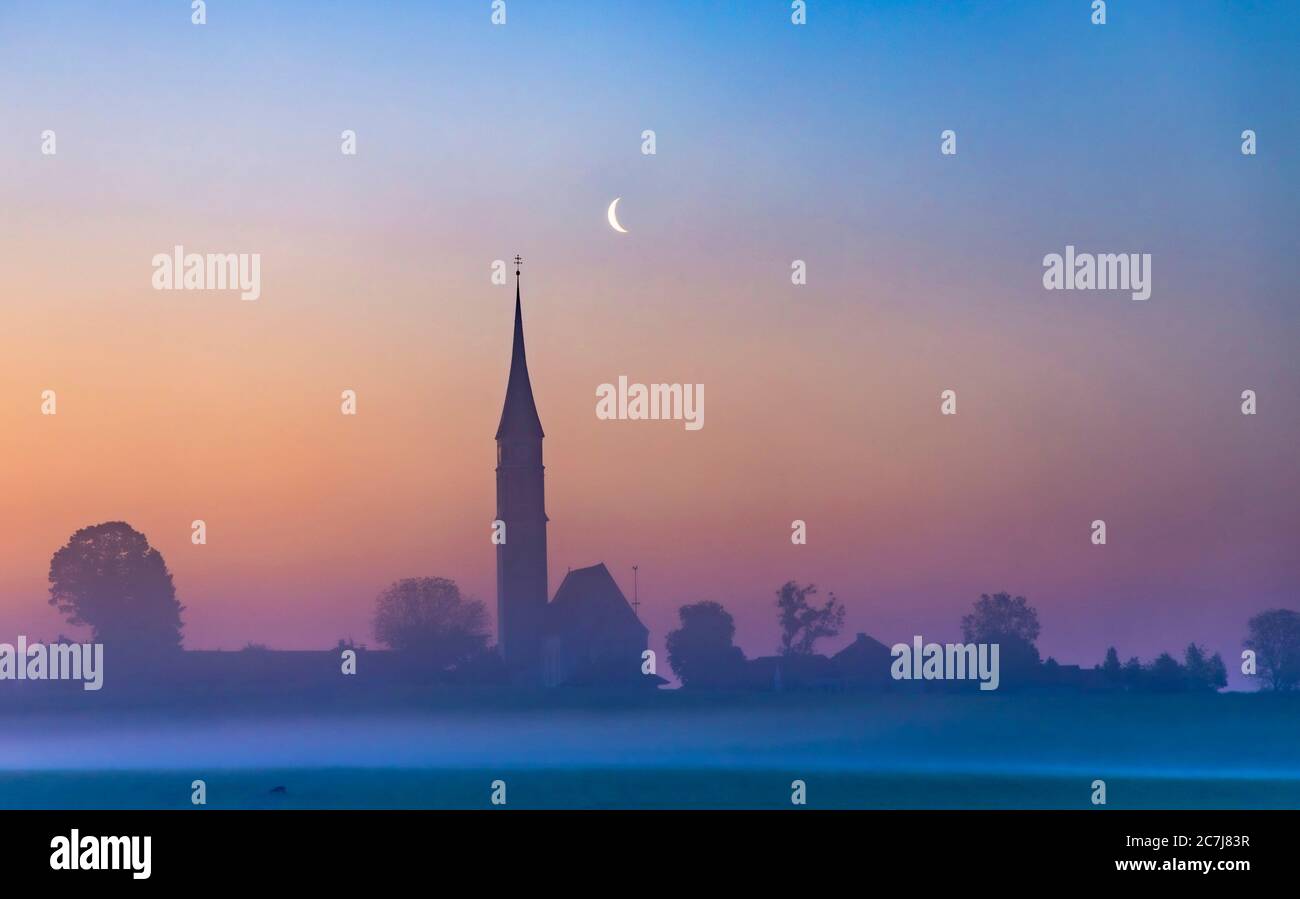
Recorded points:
(613,217)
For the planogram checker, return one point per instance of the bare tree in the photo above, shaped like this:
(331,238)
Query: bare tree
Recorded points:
(802,623)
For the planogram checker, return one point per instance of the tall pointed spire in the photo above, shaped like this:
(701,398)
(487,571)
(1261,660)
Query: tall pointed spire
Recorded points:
(519,414)
(521,509)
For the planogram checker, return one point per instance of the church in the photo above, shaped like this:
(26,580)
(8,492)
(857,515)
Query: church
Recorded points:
(588,634)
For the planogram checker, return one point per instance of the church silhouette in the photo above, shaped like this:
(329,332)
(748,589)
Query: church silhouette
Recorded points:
(588,634)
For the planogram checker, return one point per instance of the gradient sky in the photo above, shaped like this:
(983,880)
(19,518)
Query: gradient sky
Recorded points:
(774,143)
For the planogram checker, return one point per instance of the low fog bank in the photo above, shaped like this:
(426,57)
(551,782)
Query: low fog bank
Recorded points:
(1233,735)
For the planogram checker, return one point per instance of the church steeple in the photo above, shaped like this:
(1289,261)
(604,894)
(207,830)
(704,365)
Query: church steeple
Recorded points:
(519,417)
(521,508)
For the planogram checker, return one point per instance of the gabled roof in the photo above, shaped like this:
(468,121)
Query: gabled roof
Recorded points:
(863,645)
(865,656)
(519,414)
(589,601)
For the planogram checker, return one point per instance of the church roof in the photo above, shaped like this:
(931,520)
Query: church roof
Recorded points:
(864,647)
(589,601)
(519,414)
(865,657)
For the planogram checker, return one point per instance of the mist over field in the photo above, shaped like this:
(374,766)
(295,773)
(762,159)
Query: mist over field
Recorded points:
(669,750)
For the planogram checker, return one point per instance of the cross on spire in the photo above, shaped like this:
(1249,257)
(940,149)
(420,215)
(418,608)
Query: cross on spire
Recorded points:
(518,262)
(636,599)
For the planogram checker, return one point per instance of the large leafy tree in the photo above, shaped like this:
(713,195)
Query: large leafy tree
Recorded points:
(1275,638)
(1000,616)
(1012,623)
(109,578)
(428,617)
(701,651)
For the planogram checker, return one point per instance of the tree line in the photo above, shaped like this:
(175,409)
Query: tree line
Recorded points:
(703,654)
(109,579)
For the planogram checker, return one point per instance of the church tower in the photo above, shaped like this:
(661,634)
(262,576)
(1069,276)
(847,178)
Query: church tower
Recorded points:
(521,504)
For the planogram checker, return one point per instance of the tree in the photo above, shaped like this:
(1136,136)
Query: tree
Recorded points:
(802,623)
(701,651)
(1166,675)
(428,617)
(1013,625)
(1000,616)
(1204,673)
(1196,667)
(1134,675)
(1111,669)
(1218,672)
(109,578)
(1274,635)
